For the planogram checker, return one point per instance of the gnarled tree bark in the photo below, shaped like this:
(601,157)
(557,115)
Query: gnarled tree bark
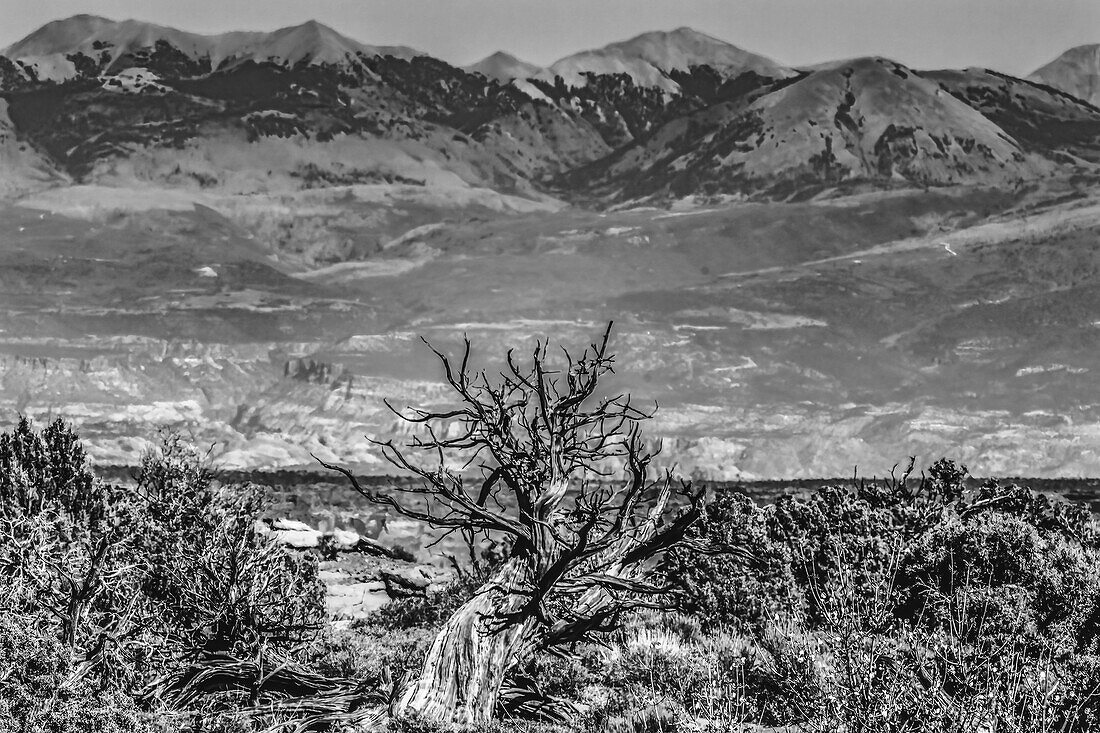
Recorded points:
(462,674)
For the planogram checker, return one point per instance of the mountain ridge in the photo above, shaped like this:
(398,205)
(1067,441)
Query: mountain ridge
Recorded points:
(648,57)
(809,272)
(656,117)
(1076,71)
(48,51)
(675,49)
(504,67)
(865,120)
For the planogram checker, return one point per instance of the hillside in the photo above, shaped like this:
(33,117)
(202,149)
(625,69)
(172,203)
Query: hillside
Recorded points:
(649,58)
(77,46)
(22,169)
(1043,120)
(659,116)
(790,339)
(420,122)
(843,265)
(504,67)
(1077,72)
(863,120)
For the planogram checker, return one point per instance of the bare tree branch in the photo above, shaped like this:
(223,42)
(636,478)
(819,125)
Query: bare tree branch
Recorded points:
(565,476)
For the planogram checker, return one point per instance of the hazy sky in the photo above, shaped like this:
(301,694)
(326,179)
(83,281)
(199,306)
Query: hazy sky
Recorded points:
(1014,36)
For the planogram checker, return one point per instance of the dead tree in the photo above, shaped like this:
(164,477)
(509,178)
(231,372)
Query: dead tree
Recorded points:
(563,473)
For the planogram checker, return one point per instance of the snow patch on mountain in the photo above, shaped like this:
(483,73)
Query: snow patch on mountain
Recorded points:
(134,81)
(532,91)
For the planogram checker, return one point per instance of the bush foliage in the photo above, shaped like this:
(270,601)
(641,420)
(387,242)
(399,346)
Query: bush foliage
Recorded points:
(108,594)
(905,605)
(919,601)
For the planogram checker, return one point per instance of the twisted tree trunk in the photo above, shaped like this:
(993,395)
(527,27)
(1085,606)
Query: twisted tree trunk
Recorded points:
(460,680)
(461,677)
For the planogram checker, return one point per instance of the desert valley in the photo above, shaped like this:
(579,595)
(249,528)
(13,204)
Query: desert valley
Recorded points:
(244,237)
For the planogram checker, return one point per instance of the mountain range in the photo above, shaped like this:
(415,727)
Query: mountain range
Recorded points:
(54,51)
(659,116)
(242,236)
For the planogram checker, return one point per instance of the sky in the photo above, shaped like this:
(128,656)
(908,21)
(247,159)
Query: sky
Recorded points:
(1013,36)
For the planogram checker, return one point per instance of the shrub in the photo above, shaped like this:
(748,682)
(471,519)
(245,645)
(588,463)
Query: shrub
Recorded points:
(39,692)
(368,653)
(661,669)
(910,608)
(747,578)
(126,585)
(214,583)
(769,561)
(1025,581)
(791,675)
(431,610)
(48,472)
(1050,515)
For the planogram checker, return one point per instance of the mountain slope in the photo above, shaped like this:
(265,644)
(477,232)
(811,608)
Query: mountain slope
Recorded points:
(253,127)
(311,43)
(59,36)
(22,168)
(1077,71)
(647,60)
(865,120)
(85,45)
(503,67)
(662,115)
(1040,118)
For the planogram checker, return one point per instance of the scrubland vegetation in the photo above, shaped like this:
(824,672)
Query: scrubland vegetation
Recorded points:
(892,606)
(161,604)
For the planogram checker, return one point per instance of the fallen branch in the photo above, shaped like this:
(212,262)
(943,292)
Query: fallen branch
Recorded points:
(223,673)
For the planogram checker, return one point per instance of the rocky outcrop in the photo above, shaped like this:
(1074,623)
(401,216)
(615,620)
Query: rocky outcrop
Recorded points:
(406,582)
(301,536)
